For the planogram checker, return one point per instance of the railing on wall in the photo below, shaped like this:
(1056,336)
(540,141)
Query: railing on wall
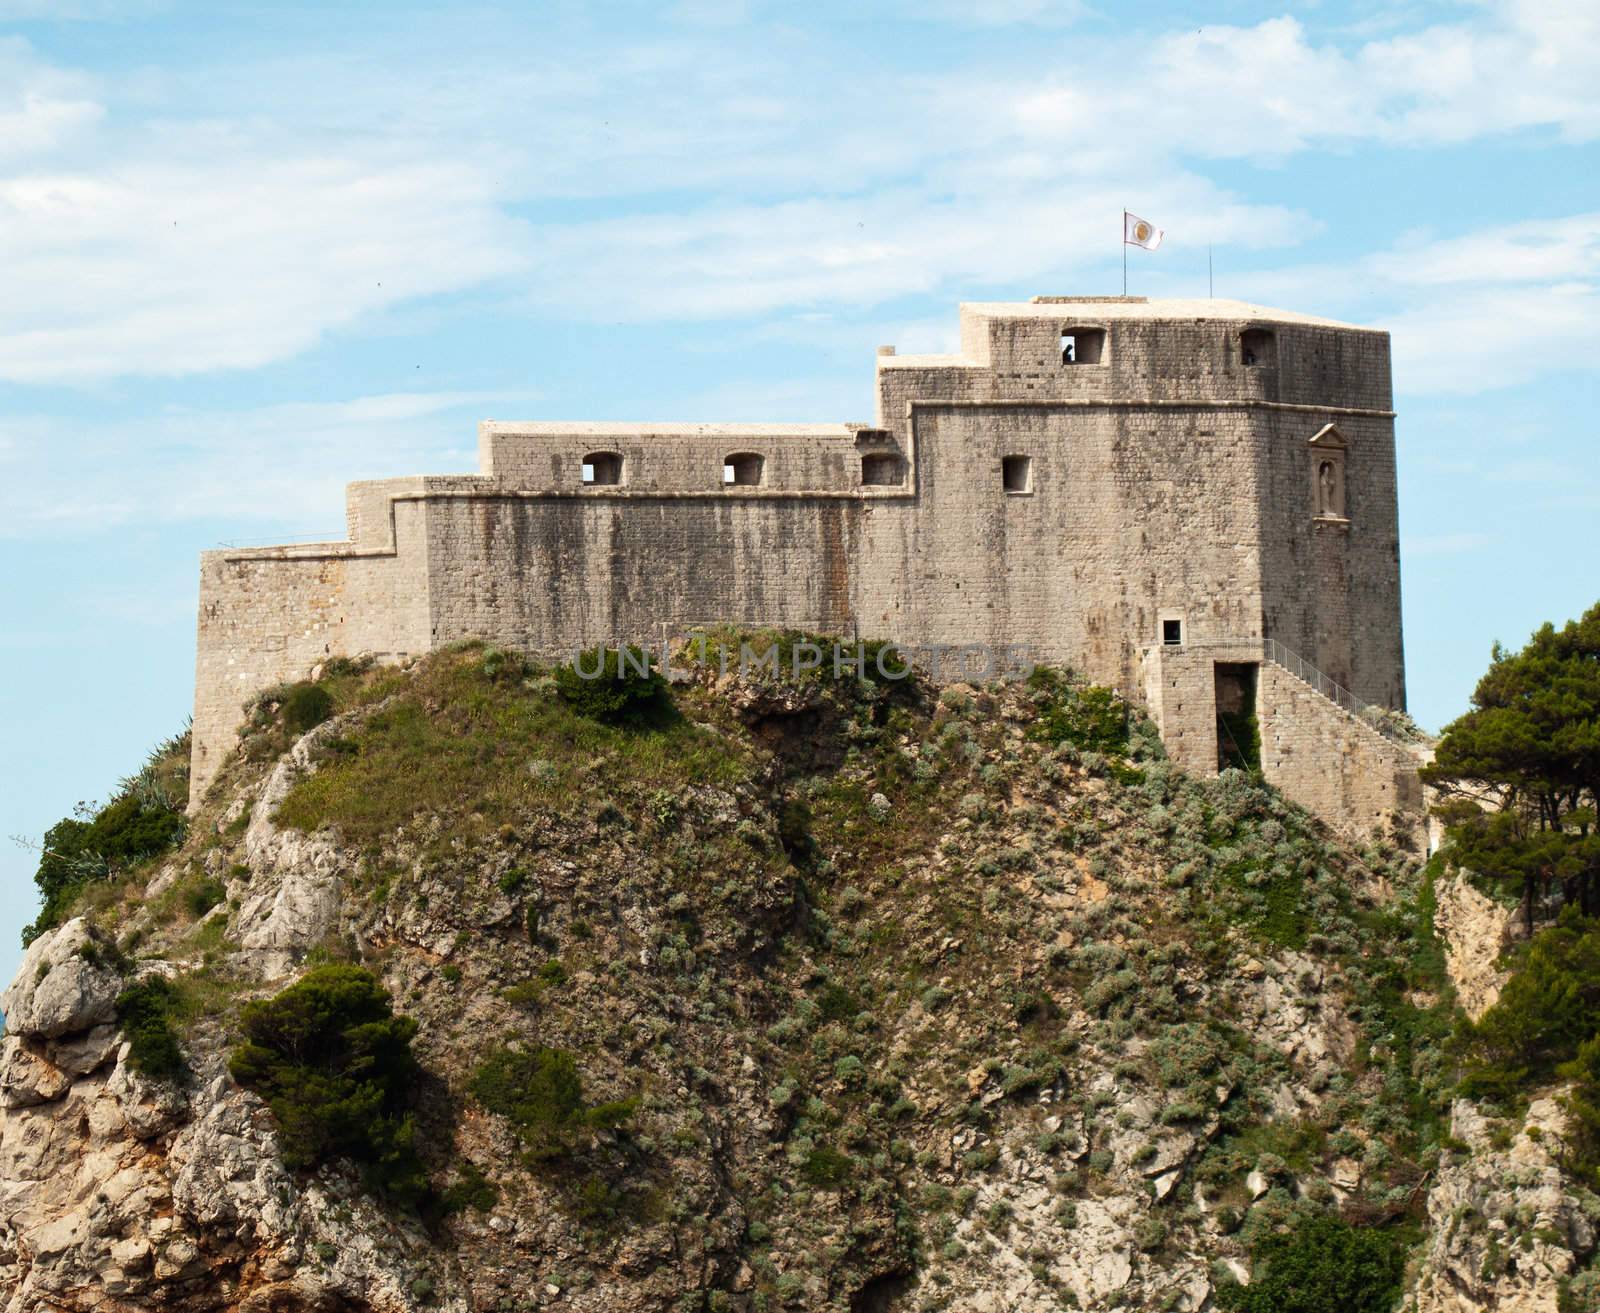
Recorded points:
(1385,721)
(1391,724)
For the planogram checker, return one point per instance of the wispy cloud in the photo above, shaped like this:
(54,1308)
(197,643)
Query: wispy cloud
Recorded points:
(176,268)
(702,172)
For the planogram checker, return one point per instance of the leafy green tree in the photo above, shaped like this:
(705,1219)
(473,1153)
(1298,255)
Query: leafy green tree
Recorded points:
(334,1064)
(1321,1265)
(1532,739)
(1548,1009)
(97,846)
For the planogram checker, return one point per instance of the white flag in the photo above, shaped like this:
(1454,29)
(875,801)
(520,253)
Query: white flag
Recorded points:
(1140,232)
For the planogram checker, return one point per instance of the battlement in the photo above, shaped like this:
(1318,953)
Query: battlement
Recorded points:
(1086,477)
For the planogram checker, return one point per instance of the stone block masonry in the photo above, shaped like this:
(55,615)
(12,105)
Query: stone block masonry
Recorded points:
(1089,477)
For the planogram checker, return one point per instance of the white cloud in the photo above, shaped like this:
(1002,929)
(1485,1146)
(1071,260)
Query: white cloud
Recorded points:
(171,269)
(713,173)
(997,13)
(864,251)
(41,108)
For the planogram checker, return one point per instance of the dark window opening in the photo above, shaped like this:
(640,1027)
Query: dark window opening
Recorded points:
(602,468)
(882,469)
(1238,730)
(1016,473)
(1082,346)
(742,469)
(1258,346)
(1172,633)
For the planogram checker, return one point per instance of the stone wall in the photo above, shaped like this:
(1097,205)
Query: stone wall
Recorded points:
(1173,479)
(1334,765)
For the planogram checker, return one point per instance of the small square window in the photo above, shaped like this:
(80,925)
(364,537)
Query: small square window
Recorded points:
(1016,473)
(1258,348)
(1172,633)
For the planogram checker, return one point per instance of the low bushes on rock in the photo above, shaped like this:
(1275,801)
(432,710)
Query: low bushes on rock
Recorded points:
(145,1011)
(305,706)
(540,1092)
(80,850)
(1321,1265)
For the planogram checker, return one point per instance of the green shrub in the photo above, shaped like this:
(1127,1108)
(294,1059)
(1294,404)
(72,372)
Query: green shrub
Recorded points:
(144,1011)
(1321,1265)
(201,898)
(305,706)
(836,1003)
(610,689)
(78,851)
(540,1092)
(826,1168)
(1087,716)
(472,1189)
(334,1064)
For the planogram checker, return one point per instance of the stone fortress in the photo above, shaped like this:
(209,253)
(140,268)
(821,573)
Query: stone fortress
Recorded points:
(1191,501)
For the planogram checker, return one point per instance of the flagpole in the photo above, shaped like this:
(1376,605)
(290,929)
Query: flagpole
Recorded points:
(1124,252)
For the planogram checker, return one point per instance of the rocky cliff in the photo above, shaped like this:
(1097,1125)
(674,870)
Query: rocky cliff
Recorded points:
(902,1001)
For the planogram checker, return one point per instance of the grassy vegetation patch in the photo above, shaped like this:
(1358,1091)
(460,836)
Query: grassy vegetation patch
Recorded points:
(468,736)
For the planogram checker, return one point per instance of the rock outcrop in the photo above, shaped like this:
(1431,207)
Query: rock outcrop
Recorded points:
(911,1006)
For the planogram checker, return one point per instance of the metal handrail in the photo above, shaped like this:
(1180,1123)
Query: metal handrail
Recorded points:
(1369,714)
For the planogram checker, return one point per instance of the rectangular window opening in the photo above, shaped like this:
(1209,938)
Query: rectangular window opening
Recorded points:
(882,469)
(1258,347)
(602,468)
(742,470)
(1016,473)
(1172,633)
(1083,346)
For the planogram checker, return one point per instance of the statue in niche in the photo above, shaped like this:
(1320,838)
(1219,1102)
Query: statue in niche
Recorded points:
(1330,499)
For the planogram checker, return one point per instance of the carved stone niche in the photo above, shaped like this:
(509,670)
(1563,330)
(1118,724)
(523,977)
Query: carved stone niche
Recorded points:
(1328,448)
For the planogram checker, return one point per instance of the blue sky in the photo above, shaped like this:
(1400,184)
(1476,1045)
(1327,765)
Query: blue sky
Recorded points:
(249,252)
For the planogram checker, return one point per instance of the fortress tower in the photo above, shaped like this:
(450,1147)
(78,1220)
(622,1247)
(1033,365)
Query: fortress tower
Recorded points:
(1192,501)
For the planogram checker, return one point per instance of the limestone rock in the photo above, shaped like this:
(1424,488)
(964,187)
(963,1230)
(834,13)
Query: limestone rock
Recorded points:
(81,1054)
(295,902)
(63,986)
(1473,927)
(26,1077)
(1505,1227)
